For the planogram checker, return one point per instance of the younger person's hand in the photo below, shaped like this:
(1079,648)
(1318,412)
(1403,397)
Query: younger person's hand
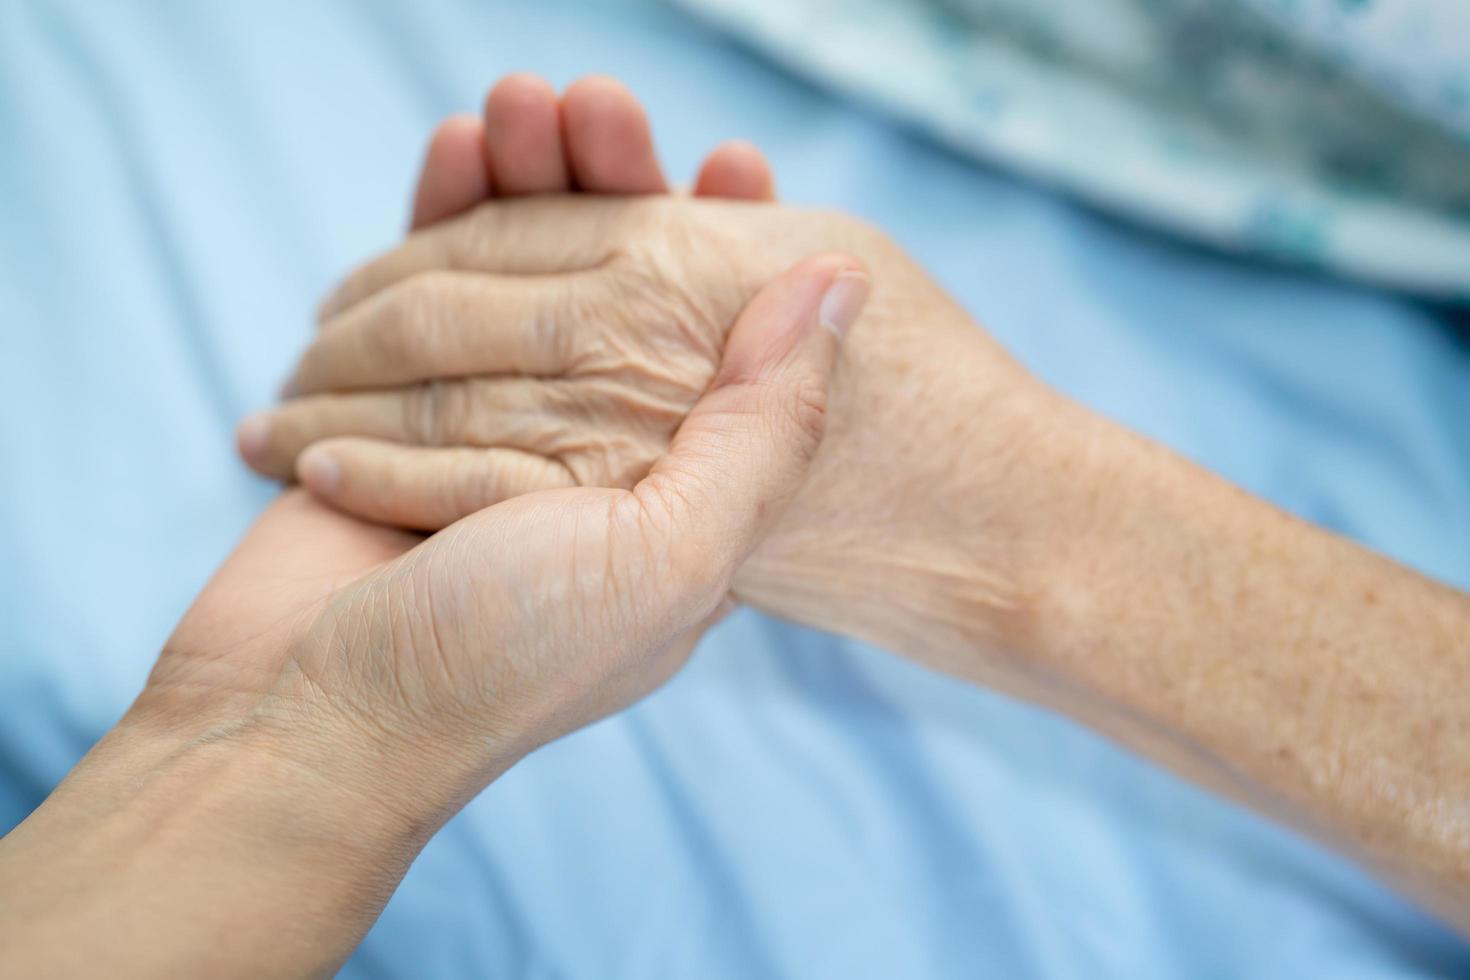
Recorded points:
(541,614)
(338,691)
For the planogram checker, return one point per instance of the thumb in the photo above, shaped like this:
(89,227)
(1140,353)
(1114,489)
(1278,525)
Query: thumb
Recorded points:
(746,446)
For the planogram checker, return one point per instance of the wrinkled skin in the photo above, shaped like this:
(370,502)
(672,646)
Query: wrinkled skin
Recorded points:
(558,341)
(586,356)
(532,617)
(338,691)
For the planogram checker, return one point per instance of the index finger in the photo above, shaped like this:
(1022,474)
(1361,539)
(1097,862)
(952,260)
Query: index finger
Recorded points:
(524,236)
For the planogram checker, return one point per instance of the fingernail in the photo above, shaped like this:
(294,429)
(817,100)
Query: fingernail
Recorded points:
(252,434)
(318,471)
(843,302)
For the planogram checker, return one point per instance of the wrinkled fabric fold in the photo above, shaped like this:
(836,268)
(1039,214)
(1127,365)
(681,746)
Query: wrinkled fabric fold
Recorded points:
(1324,134)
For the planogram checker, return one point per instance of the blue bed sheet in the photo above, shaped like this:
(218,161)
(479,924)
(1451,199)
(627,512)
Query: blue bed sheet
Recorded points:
(178,182)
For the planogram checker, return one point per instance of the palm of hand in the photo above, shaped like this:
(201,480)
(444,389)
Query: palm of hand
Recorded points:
(318,613)
(534,616)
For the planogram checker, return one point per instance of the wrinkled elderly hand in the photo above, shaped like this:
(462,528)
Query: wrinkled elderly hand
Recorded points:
(559,340)
(545,612)
(567,337)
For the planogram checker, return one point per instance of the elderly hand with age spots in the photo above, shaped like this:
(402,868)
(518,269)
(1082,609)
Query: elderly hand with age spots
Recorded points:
(959,511)
(557,340)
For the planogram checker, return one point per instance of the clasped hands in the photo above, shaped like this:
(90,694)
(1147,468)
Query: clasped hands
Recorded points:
(609,409)
(617,408)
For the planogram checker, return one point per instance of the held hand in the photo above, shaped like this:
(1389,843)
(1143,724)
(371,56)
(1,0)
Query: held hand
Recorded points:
(566,338)
(543,613)
(559,341)
(338,690)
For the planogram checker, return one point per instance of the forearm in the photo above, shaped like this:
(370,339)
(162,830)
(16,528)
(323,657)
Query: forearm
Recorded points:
(1271,659)
(233,855)
(1253,653)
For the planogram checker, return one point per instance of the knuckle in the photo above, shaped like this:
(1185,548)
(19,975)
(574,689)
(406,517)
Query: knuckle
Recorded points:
(435,413)
(412,315)
(541,416)
(659,328)
(583,325)
(418,413)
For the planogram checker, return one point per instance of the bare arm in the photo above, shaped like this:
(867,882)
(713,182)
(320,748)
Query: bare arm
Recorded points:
(958,511)
(1311,678)
(244,854)
(1111,580)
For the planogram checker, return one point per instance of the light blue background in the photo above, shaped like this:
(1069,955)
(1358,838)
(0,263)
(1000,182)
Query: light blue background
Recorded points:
(179,181)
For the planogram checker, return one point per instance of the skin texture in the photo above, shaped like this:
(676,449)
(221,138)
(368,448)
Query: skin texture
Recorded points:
(338,691)
(338,675)
(958,512)
(570,358)
(264,821)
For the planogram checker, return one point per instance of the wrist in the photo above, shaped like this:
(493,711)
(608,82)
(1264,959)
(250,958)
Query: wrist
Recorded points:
(327,762)
(932,536)
(255,863)
(999,541)
(406,768)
